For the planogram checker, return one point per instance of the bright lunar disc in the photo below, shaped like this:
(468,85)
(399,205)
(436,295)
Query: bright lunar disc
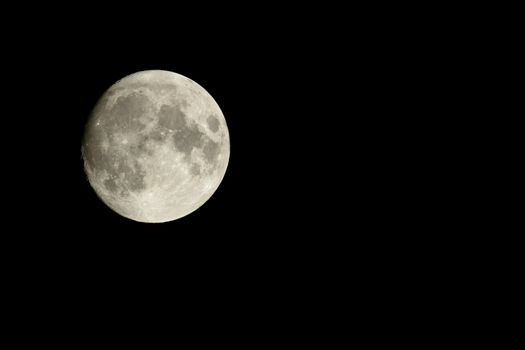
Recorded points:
(156,146)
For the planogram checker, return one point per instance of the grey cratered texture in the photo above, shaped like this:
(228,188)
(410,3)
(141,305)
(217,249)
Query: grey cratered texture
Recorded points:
(156,146)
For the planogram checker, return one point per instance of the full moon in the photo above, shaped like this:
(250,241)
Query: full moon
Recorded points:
(156,146)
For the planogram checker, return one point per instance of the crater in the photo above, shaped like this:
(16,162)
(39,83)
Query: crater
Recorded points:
(213,123)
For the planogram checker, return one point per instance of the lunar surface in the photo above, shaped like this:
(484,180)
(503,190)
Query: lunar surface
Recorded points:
(156,146)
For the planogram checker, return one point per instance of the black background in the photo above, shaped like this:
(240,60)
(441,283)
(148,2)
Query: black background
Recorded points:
(272,228)
(280,85)
(342,196)
(316,151)
(326,179)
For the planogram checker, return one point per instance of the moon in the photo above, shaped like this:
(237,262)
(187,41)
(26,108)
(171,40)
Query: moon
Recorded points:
(156,146)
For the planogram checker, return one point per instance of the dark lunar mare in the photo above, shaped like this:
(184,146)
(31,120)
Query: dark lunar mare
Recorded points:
(213,123)
(187,134)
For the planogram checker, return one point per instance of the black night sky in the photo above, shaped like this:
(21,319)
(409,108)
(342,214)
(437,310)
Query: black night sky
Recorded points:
(296,101)
(275,96)
(339,189)
(316,157)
